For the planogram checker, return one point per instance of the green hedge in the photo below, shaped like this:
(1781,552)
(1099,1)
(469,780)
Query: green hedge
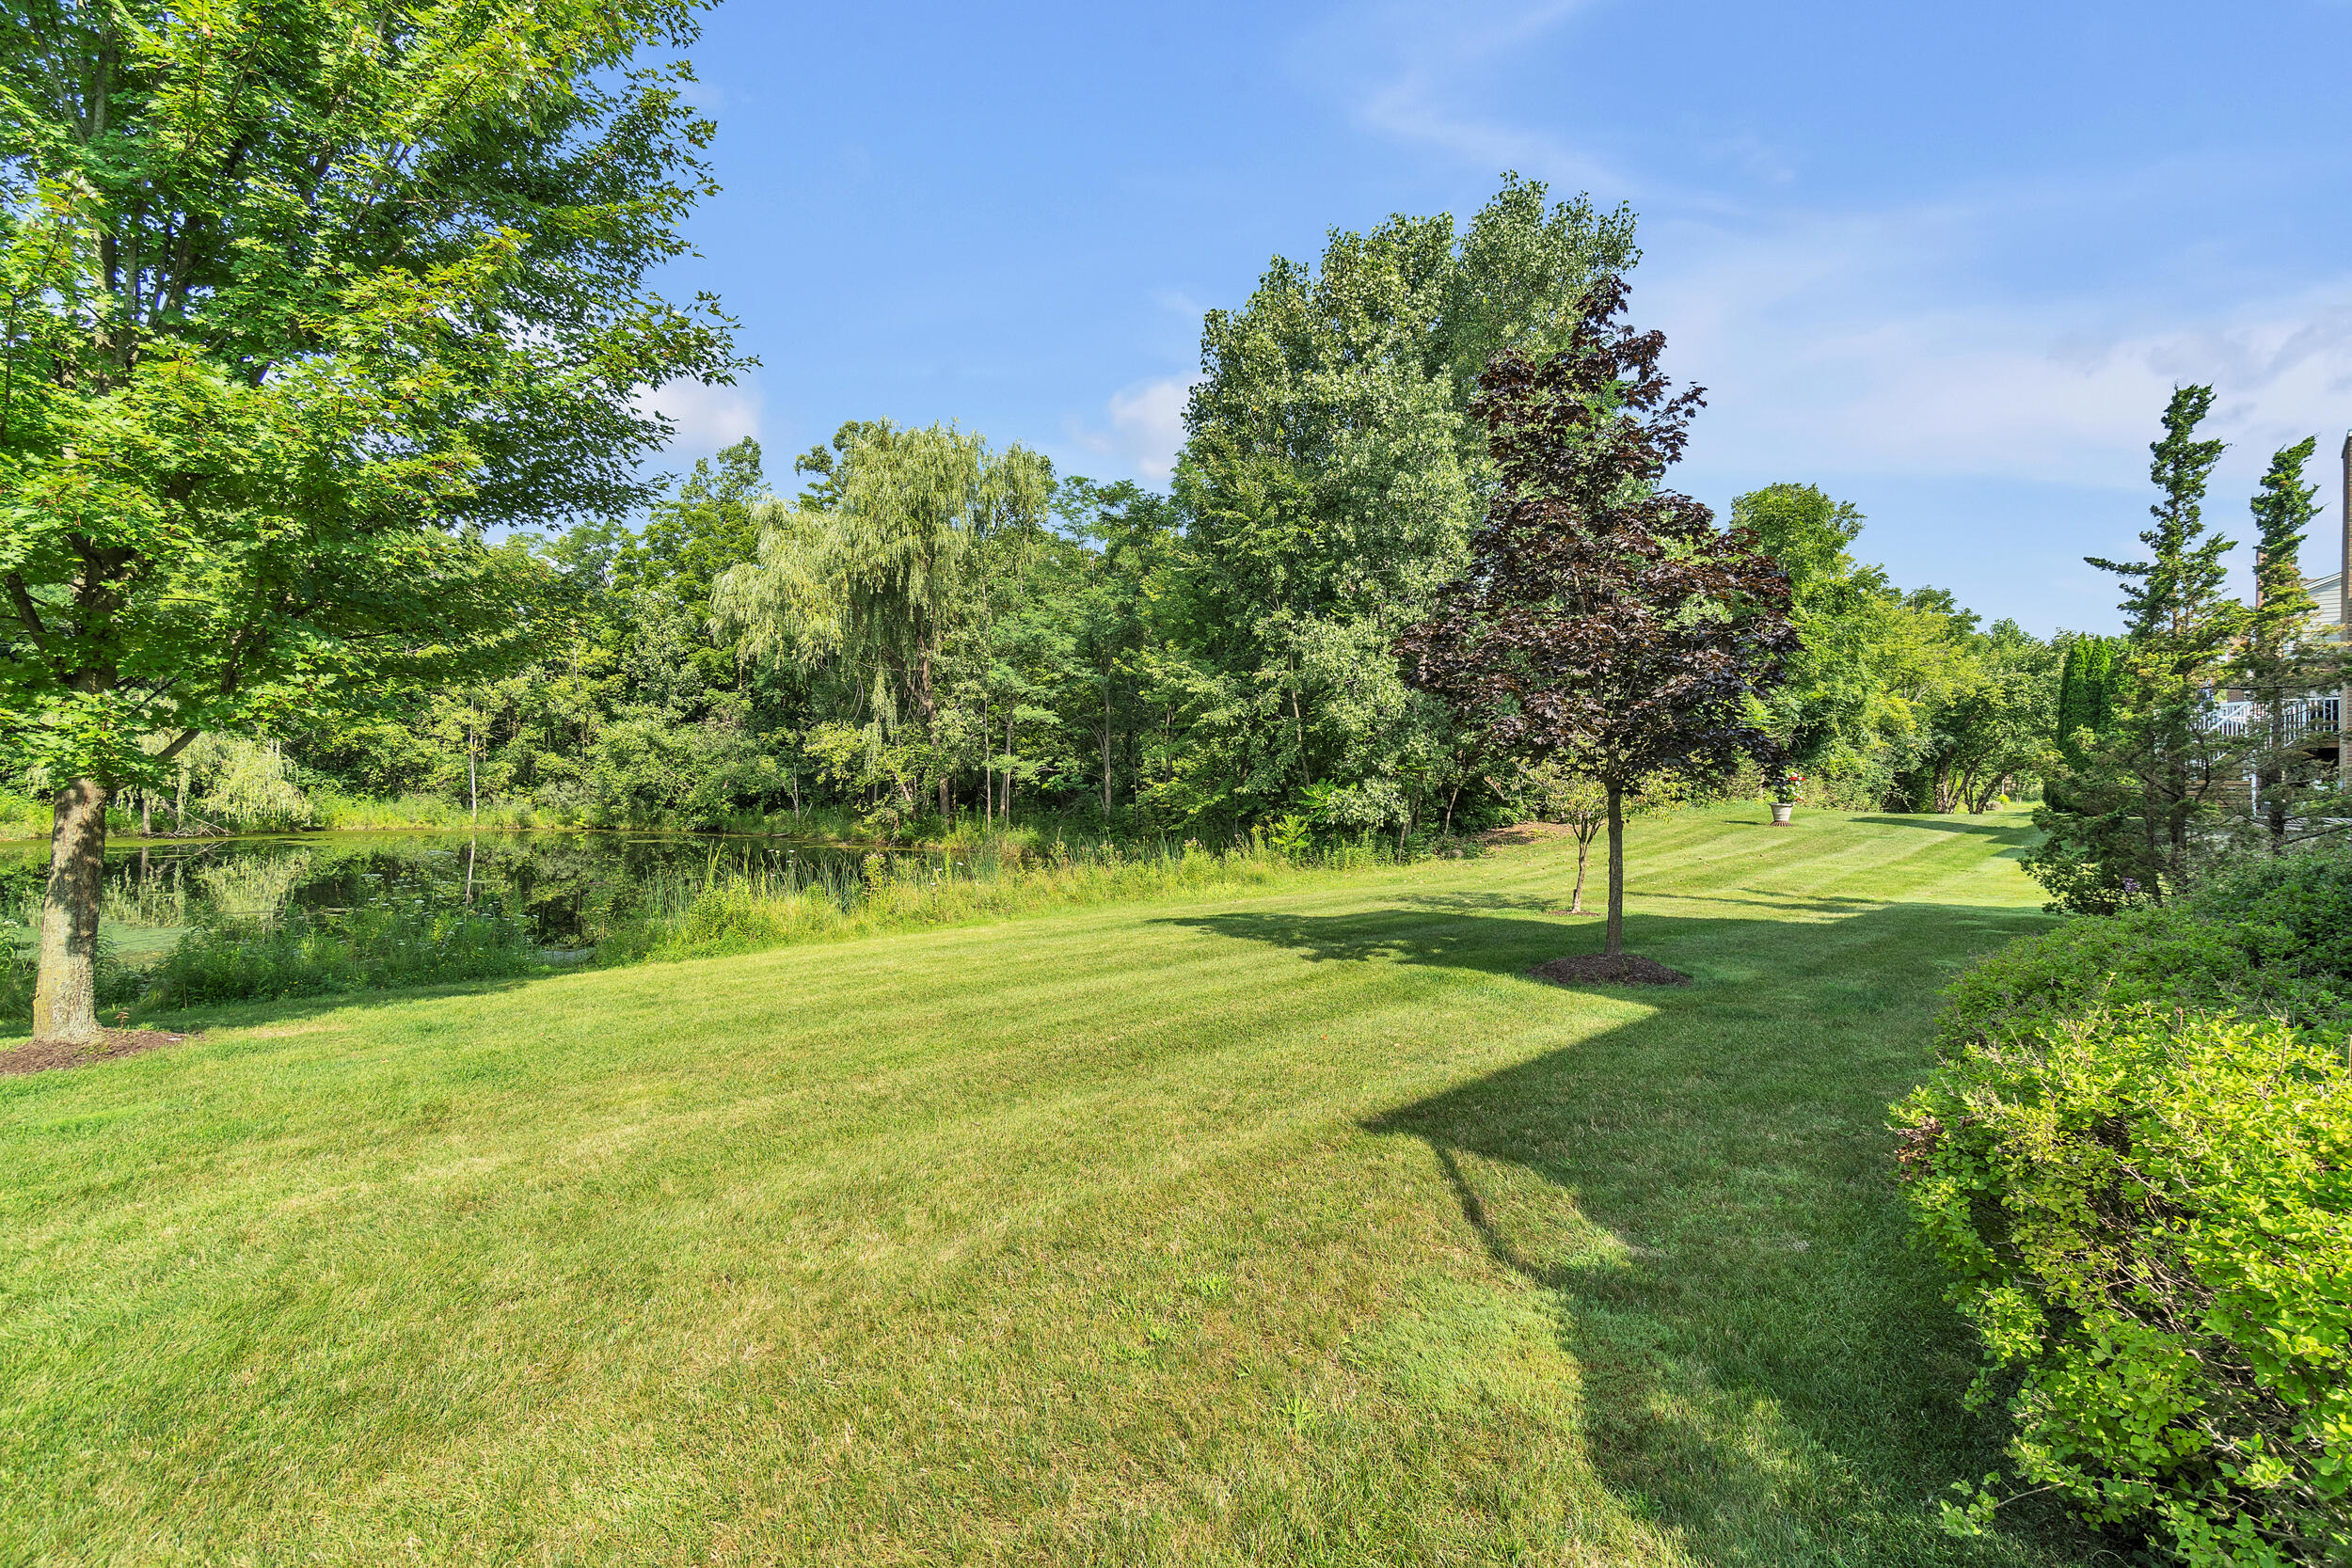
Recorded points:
(2137,1159)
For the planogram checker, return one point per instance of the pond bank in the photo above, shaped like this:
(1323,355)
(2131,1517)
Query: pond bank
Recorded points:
(191,921)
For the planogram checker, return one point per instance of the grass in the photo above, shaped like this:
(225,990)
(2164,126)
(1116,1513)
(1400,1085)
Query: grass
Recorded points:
(684,916)
(1291,1225)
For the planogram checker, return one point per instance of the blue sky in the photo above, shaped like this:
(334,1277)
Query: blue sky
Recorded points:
(1946,262)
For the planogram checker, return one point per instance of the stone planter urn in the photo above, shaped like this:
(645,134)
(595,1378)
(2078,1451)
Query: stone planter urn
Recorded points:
(1782,812)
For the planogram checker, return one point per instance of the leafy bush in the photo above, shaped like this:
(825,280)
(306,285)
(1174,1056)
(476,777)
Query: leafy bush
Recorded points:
(2137,1159)
(2168,957)
(310,954)
(2290,912)
(2082,881)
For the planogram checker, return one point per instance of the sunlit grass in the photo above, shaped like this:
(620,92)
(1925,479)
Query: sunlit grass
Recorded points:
(1289,1224)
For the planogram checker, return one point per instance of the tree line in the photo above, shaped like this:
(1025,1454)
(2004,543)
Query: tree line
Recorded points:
(926,628)
(325,348)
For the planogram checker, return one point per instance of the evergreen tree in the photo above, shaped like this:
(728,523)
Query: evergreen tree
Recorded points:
(2280,661)
(2125,823)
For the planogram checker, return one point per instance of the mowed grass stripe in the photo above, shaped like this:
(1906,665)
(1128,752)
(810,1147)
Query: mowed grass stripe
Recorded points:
(1293,1227)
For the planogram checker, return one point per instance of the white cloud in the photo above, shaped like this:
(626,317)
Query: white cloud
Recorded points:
(1857,342)
(707,417)
(1147,427)
(1402,68)
(1932,336)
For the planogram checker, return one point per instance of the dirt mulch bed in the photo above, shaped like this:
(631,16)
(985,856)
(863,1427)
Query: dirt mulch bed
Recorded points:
(1587,969)
(1526,833)
(42,1056)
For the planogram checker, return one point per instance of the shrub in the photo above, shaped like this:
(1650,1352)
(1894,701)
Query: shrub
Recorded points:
(2143,1187)
(2169,958)
(2292,912)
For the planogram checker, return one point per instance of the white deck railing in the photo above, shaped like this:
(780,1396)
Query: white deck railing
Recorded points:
(2304,716)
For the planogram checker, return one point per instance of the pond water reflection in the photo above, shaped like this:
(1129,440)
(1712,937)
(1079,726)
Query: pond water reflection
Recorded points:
(567,887)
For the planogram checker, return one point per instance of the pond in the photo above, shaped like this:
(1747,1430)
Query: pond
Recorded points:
(567,887)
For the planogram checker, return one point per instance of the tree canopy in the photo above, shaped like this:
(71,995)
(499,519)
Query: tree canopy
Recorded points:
(301,297)
(1604,621)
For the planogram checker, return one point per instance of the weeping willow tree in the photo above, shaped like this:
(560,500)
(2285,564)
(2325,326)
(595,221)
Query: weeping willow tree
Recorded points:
(879,569)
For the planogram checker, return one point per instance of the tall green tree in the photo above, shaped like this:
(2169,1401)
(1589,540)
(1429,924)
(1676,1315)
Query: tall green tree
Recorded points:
(1330,476)
(298,295)
(1989,730)
(2125,822)
(1892,700)
(2087,693)
(1849,707)
(2283,659)
(885,568)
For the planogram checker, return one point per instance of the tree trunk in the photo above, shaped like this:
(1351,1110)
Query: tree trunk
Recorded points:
(1008,765)
(1583,852)
(147,814)
(65,999)
(2272,780)
(1614,944)
(1106,752)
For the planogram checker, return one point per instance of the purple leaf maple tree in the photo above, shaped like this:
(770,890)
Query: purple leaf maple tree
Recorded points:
(1604,620)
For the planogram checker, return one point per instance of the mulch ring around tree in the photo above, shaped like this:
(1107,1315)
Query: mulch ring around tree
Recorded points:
(1587,969)
(42,1056)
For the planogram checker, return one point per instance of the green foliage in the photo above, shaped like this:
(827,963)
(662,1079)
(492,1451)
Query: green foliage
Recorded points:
(936,630)
(1332,475)
(2089,694)
(2131,806)
(2133,1161)
(1893,699)
(2290,912)
(2165,958)
(374,947)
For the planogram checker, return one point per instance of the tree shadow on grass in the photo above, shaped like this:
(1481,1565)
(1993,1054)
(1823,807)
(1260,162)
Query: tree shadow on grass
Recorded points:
(2019,833)
(1484,937)
(1765,898)
(1768,1368)
(257,1013)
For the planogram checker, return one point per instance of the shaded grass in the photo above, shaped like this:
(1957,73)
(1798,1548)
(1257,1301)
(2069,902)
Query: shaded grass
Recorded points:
(911,891)
(1295,1226)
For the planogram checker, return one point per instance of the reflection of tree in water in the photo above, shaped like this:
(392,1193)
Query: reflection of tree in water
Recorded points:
(253,887)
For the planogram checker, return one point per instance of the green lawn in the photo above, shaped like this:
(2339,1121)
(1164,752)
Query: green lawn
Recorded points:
(1295,1226)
